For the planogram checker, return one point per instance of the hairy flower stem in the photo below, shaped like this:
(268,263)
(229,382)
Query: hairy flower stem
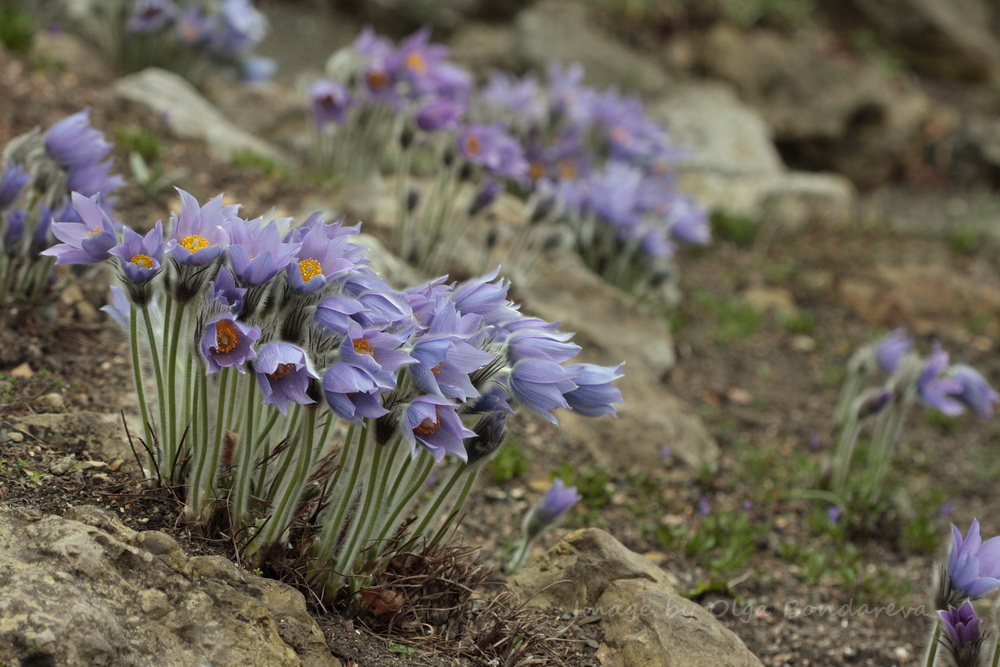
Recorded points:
(358,525)
(203,477)
(244,469)
(140,390)
(471,475)
(164,451)
(289,493)
(430,514)
(331,522)
(932,647)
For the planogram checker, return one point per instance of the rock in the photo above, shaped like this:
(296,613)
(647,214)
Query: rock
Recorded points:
(562,30)
(52,402)
(98,433)
(923,297)
(191,116)
(85,590)
(22,371)
(828,110)
(770,298)
(72,53)
(951,40)
(485,46)
(645,621)
(723,135)
(733,167)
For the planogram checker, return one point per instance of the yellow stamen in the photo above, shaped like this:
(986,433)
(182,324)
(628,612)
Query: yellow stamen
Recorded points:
(536,170)
(416,62)
(281,371)
(194,243)
(142,261)
(437,369)
(363,346)
(227,337)
(94,231)
(567,170)
(310,268)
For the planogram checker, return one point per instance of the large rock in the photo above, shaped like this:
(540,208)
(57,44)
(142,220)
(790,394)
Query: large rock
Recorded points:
(84,591)
(733,166)
(563,30)
(645,621)
(946,39)
(191,116)
(828,111)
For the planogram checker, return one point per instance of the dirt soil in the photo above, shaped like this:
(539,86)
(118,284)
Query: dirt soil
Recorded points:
(766,386)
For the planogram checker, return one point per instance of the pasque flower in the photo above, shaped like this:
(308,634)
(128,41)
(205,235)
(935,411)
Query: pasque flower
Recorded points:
(975,392)
(198,232)
(330,102)
(433,421)
(227,342)
(283,372)
(85,242)
(540,385)
(139,256)
(890,349)
(964,634)
(594,395)
(973,565)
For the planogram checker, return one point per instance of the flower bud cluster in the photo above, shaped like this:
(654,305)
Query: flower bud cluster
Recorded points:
(590,160)
(38,172)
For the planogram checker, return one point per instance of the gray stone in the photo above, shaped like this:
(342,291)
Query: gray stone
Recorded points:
(85,590)
(722,134)
(191,116)
(827,112)
(72,53)
(563,30)
(485,46)
(645,621)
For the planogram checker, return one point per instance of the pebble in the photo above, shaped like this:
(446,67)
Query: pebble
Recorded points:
(53,402)
(15,436)
(22,371)
(739,396)
(901,652)
(803,343)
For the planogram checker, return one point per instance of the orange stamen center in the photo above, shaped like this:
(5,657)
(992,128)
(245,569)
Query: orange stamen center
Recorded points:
(437,369)
(363,346)
(428,425)
(472,144)
(536,170)
(567,170)
(377,79)
(194,243)
(281,371)
(227,336)
(309,268)
(94,231)
(142,261)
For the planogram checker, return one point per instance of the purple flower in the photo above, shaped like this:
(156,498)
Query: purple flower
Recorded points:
(481,296)
(687,222)
(225,292)
(433,421)
(890,349)
(319,259)
(198,235)
(354,393)
(256,251)
(227,342)
(540,385)
(139,256)
(553,505)
(86,242)
(490,147)
(833,514)
(975,392)
(973,566)
(594,395)
(936,391)
(439,114)
(485,196)
(119,309)
(330,102)
(444,363)
(72,141)
(240,28)
(541,344)
(150,15)
(704,507)
(283,373)
(12,180)
(13,233)
(962,626)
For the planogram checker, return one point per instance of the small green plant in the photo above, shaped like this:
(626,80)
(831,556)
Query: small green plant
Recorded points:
(739,230)
(17,29)
(510,463)
(248,159)
(141,141)
(35,478)
(732,318)
(802,323)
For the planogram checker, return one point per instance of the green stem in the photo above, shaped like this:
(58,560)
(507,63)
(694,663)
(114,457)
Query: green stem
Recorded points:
(133,330)
(932,648)
(456,508)
(160,397)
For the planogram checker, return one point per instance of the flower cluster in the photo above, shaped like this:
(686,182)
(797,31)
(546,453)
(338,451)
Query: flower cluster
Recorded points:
(38,172)
(972,571)
(904,378)
(591,160)
(188,35)
(278,333)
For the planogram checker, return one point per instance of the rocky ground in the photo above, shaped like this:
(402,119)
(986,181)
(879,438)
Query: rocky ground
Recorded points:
(770,313)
